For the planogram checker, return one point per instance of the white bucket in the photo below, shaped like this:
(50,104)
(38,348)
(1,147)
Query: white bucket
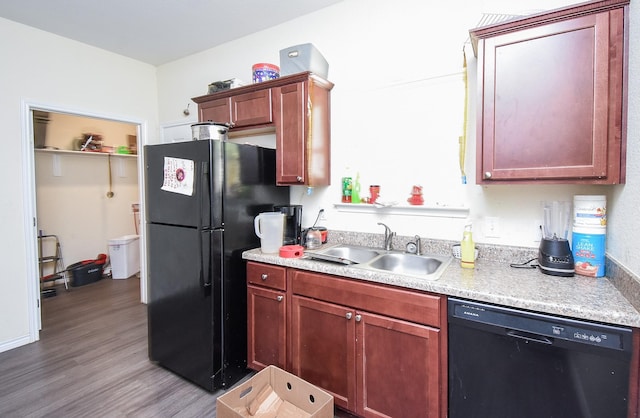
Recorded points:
(269,227)
(590,211)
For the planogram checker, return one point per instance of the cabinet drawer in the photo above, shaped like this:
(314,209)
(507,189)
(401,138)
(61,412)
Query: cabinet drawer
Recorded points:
(421,308)
(266,275)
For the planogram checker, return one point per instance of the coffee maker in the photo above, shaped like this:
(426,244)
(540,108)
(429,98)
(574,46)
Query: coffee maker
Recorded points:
(292,223)
(554,255)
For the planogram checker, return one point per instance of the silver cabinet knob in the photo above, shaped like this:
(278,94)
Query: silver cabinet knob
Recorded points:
(487,174)
(348,315)
(264,276)
(358,318)
(280,298)
(299,179)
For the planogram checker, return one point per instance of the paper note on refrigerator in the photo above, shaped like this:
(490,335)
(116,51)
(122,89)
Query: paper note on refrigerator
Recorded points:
(178,176)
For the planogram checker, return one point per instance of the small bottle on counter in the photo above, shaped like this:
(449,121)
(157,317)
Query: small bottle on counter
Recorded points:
(467,249)
(347,187)
(355,192)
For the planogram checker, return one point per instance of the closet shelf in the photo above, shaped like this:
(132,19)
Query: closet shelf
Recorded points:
(85,153)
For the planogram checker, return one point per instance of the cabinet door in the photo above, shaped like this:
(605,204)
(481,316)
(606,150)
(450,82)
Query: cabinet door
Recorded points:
(251,109)
(266,328)
(323,347)
(217,110)
(400,370)
(548,108)
(290,112)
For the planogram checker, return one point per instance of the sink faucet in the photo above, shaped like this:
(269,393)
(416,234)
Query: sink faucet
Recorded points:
(388,237)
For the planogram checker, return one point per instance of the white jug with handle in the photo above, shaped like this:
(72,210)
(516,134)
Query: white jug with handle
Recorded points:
(269,227)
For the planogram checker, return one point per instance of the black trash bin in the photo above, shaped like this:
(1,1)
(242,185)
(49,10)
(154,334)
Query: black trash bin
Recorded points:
(87,271)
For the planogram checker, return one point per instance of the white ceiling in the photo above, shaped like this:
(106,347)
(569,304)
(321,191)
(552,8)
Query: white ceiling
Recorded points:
(156,31)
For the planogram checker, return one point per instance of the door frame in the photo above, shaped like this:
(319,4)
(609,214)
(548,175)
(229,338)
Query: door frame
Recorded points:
(30,208)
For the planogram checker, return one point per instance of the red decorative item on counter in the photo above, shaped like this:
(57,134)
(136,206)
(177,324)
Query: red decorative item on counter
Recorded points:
(374,192)
(416,196)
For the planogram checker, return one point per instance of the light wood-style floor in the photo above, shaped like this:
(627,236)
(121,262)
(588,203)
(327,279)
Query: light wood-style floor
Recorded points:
(91,361)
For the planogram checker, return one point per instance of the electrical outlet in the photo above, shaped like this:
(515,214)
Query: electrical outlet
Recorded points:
(323,215)
(492,227)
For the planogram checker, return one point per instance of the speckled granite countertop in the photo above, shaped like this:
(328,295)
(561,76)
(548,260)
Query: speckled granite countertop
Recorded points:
(595,299)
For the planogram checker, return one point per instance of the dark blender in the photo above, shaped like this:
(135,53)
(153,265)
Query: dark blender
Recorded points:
(554,255)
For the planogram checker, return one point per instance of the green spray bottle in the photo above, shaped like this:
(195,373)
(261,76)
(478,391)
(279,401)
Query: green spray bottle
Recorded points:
(355,193)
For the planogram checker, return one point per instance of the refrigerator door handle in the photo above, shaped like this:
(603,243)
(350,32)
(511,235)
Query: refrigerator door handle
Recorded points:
(205,258)
(204,197)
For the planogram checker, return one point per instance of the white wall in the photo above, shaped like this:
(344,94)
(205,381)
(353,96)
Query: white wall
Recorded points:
(38,67)
(397,112)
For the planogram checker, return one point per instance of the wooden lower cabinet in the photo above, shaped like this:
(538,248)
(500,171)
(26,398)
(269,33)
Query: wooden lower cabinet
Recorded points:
(398,368)
(323,348)
(266,315)
(354,340)
(374,366)
(379,350)
(267,335)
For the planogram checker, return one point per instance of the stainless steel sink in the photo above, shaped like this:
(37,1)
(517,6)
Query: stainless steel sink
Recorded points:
(428,267)
(346,254)
(406,264)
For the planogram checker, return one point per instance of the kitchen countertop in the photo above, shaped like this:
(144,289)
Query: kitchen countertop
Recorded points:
(594,299)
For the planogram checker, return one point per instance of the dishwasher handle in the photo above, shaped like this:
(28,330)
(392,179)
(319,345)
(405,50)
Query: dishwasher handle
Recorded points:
(540,339)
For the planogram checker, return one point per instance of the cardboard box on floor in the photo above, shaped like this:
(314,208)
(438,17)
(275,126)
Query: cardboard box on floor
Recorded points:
(273,392)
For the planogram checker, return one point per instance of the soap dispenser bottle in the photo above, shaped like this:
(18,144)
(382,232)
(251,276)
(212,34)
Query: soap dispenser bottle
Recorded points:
(467,249)
(355,193)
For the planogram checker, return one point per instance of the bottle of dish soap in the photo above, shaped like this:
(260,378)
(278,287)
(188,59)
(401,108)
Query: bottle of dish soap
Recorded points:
(355,192)
(347,186)
(467,249)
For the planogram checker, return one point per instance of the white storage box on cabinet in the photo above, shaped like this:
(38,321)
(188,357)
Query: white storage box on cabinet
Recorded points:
(301,58)
(124,253)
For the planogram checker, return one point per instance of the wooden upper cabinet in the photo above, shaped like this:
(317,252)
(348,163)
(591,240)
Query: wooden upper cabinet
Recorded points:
(251,108)
(215,111)
(301,112)
(552,97)
(290,109)
(296,108)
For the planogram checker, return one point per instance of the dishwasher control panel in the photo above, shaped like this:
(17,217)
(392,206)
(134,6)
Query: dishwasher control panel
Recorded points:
(538,327)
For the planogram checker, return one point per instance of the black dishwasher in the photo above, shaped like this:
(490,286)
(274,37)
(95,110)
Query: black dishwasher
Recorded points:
(505,363)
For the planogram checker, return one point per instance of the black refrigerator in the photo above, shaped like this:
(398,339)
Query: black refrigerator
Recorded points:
(201,200)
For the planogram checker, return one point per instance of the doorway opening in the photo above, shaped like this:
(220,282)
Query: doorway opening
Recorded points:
(86,197)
